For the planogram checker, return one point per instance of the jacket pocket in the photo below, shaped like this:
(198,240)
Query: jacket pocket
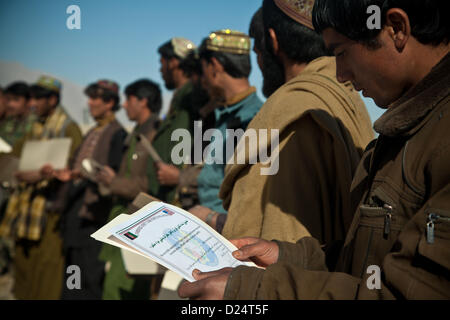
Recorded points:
(377,233)
(435,243)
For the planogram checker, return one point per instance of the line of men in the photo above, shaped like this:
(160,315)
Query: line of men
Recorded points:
(398,184)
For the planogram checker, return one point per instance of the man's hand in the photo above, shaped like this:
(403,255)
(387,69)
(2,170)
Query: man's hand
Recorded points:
(168,175)
(47,172)
(29,176)
(66,175)
(208,285)
(106,175)
(262,252)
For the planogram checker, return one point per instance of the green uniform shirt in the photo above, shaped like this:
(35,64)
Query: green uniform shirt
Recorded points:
(179,117)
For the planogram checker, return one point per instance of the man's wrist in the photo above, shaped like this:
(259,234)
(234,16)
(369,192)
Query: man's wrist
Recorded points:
(210,217)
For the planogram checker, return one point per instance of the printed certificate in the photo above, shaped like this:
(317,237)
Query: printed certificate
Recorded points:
(175,239)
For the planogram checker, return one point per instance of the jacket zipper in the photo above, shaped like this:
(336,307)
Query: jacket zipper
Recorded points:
(387,221)
(432,219)
(386,232)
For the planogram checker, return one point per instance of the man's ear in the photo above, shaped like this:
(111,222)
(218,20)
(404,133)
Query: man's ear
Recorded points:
(274,40)
(173,63)
(398,26)
(143,103)
(110,104)
(52,100)
(217,66)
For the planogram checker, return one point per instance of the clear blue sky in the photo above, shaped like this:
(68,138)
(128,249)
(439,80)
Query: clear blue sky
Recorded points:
(118,39)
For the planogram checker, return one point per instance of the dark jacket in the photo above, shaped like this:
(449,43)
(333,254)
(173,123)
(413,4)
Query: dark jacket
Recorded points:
(401,196)
(131,178)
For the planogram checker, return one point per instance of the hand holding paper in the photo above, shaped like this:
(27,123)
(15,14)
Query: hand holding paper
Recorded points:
(172,237)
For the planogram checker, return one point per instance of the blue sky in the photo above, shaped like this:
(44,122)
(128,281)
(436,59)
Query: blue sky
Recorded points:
(118,39)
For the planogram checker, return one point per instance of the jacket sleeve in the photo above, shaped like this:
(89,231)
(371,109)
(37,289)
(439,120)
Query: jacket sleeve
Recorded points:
(116,149)
(129,188)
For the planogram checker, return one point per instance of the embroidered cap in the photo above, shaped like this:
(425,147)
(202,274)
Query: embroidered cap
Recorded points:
(229,41)
(49,83)
(108,85)
(299,10)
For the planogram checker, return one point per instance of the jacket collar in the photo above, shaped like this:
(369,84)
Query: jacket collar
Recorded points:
(408,114)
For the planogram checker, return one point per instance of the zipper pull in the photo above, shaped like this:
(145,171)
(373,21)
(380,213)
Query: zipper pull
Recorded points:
(430,227)
(387,221)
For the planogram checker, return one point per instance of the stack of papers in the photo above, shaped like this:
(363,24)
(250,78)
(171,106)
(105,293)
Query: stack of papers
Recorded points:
(172,237)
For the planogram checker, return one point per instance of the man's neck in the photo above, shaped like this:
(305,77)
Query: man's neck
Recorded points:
(105,118)
(292,69)
(426,60)
(49,113)
(233,87)
(180,81)
(143,117)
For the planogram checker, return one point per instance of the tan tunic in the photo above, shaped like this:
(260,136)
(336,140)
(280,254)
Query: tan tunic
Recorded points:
(324,128)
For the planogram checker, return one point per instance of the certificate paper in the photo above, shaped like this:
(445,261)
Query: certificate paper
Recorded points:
(175,239)
(36,154)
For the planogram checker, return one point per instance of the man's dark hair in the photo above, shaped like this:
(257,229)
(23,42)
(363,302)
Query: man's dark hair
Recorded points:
(256,30)
(236,65)
(94,91)
(18,89)
(167,51)
(146,89)
(191,65)
(297,41)
(428,20)
(39,92)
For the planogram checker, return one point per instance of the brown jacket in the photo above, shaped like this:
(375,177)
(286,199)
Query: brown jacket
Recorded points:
(402,180)
(132,178)
(323,129)
(96,207)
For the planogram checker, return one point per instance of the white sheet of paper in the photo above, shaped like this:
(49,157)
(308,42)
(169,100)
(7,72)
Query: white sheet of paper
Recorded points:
(36,154)
(173,238)
(5,147)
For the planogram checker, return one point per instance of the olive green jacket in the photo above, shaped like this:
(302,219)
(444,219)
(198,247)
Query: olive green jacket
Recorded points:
(179,117)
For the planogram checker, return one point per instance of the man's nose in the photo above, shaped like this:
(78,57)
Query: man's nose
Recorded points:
(342,73)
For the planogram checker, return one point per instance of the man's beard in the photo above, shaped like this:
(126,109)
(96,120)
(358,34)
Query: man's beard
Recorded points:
(169,82)
(273,74)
